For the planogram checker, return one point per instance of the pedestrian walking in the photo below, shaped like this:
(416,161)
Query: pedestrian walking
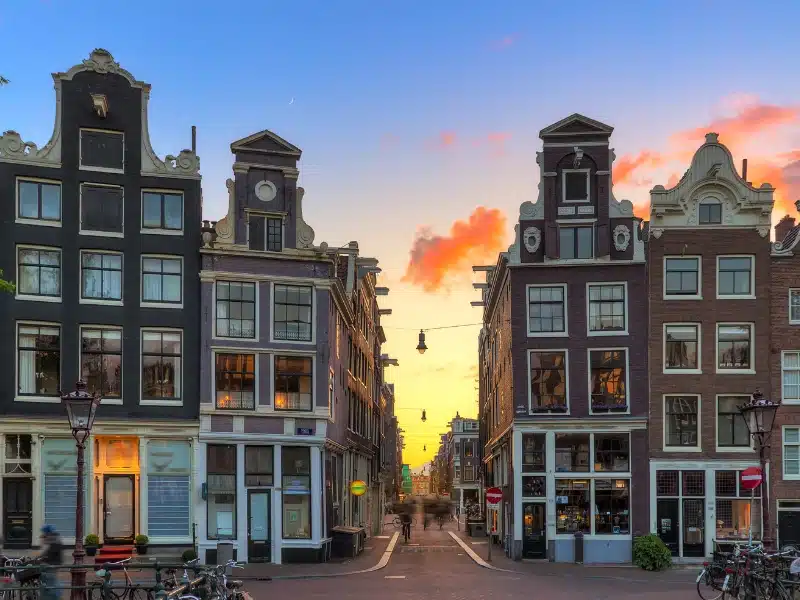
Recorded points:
(405,519)
(51,556)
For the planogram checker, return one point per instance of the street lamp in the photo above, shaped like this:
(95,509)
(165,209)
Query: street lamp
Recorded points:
(421,347)
(759,416)
(81,410)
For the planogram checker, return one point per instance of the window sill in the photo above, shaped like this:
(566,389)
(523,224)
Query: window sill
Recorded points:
(299,342)
(43,399)
(791,401)
(734,297)
(736,371)
(548,334)
(173,232)
(736,449)
(108,234)
(235,411)
(794,322)
(40,222)
(687,297)
(682,449)
(28,298)
(580,201)
(235,339)
(546,410)
(667,371)
(102,169)
(111,401)
(606,333)
(160,305)
(100,302)
(163,402)
(607,408)
(786,477)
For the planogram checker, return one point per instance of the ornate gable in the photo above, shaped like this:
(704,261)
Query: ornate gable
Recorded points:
(266,142)
(576,125)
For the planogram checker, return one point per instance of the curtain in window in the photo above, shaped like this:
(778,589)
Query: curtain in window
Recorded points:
(27,362)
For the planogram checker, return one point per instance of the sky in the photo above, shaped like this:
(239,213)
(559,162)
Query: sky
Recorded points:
(419,123)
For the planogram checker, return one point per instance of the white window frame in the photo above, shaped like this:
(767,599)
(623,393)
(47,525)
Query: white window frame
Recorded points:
(163,402)
(591,478)
(566,377)
(752,294)
(39,399)
(83,167)
(565,302)
(784,399)
(711,200)
(314,316)
(589,351)
(471,470)
(699,446)
(81,327)
(591,284)
(150,304)
(719,448)
(158,231)
(668,371)
(41,222)
(797,320)
(587,174)
(751,370)
(302,414)
(784,475)
(237,279)
(110,234)
(256,392)
(457,473)
(699,295)
(81,299)
(28,297)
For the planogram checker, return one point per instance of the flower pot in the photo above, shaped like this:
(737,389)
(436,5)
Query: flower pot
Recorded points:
(141,549)
(90,550)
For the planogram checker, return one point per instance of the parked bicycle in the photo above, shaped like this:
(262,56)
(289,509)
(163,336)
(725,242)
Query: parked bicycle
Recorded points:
(22,573)
(129,591)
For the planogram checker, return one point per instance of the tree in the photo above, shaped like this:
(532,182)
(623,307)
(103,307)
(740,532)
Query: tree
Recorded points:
(6,286)
(3,80)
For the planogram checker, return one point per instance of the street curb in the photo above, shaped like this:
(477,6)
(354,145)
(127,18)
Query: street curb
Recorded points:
(387,554)
(478,560)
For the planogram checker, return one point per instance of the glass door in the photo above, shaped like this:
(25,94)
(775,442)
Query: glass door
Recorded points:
(118,497)
(258,529)
(534,530)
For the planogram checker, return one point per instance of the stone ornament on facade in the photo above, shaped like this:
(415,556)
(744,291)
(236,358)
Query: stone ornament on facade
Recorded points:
(224,226)
(763,231)
(529,211)
(532,238)
(303,231)
(622,237)
(266,190)
(13,148)
(656,232)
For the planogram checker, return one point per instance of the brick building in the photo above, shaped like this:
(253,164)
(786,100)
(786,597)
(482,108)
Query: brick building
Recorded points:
(709,290)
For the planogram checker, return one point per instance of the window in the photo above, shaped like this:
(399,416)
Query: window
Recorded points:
(221,503)
(296,480)
(608,379)
(161,365)
(102,208)
(18,455)
(548,372)
(293,383)
(794,306)
(547,309)
(576,242)
(258,466)
(791,453)
(734,345)
(576,185)
(791,376)
(162,280)
(236,381)
(733,514)
(38,360)
(607,308)
(101,361)
(682,276)
(169,489)
(39,272)
(735,276)
(265,233)
(236,309)
(293,313)
(732,430)
(533,452)
(572,452)
(101,276)
(39,200)
(572,506)
(468,449)
(681,421)
(612,500)
(162,210)
(612,452)
(681,347)
(102,150)
(457,473)
(469,473)
(710,213)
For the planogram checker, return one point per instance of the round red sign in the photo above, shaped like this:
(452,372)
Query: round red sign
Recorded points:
(751,478)
(494,495)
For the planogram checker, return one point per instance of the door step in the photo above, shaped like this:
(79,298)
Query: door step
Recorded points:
(113,553)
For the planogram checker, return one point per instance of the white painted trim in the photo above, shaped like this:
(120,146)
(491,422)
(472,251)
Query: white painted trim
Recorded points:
(699,331)
(313,340)
(39,222)
(587,173)
(732,449)
(39,399)
(256,380)
(589,351)
(589,331)
(749,371)
(792,321)
(699,294)
(83,167)
(161,401)
(784,475)
(31,298)
(322,283)
(158,231)
(257,287)
(81,327)
(81,299)
(565,306)
(699,446)
(752,294)
(149,303)
(565,351)
(785,400)
(112,234)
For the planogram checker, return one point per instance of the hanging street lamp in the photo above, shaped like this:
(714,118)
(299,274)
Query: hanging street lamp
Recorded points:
(421,347)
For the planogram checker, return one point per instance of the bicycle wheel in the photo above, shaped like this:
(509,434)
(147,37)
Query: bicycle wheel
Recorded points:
(709,584)
(95,591)
(397,522)
(139,593)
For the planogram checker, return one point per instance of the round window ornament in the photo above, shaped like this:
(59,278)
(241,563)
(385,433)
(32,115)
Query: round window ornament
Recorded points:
(532,238)
(266,190)
(622,237)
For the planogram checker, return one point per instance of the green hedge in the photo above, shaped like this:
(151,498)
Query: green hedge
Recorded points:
(651,554)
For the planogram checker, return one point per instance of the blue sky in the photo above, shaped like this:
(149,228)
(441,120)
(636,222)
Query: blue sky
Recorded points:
(376,83)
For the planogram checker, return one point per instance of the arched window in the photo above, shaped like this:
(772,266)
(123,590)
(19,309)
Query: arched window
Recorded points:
(710,212)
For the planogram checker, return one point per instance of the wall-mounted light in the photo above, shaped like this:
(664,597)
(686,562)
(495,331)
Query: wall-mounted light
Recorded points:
(421,347)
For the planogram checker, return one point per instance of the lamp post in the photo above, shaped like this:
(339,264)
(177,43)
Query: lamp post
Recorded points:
(81,409)
(759,416)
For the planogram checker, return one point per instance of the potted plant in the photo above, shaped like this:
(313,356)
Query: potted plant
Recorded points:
(188,555)
(90,544)
(140,541)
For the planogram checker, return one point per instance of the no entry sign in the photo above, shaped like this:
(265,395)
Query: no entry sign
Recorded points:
(494,495)
(751,478)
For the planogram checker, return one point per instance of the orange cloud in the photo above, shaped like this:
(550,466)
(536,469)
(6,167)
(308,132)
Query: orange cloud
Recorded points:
(751,118)
(447,139)
(625,166)
(434,257)
(495,141)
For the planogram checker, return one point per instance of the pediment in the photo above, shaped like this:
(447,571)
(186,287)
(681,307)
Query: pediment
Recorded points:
(576,124)
(265,142)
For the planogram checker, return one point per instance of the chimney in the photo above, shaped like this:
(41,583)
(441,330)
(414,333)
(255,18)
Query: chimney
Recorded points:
(784,226)
(194,139)
(744,169)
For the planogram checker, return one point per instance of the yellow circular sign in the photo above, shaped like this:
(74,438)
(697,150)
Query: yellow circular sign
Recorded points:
(358,488)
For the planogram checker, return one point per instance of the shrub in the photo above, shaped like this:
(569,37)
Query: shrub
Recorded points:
(91,540)
(651,554)
(141,540)
(188,555)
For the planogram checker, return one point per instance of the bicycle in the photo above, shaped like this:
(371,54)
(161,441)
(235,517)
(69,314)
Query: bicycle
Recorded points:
(219,587)
(131,591)
(30,578)
(398,522)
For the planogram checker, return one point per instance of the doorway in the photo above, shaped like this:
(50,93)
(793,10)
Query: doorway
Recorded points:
(259,544)
(788,524)
(667,523)
(18,512)
(534,530)
(119,493)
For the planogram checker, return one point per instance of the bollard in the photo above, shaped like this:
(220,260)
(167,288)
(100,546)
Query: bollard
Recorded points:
(579,547)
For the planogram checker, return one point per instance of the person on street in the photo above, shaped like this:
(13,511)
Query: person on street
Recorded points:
(405,519)
(51,556)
